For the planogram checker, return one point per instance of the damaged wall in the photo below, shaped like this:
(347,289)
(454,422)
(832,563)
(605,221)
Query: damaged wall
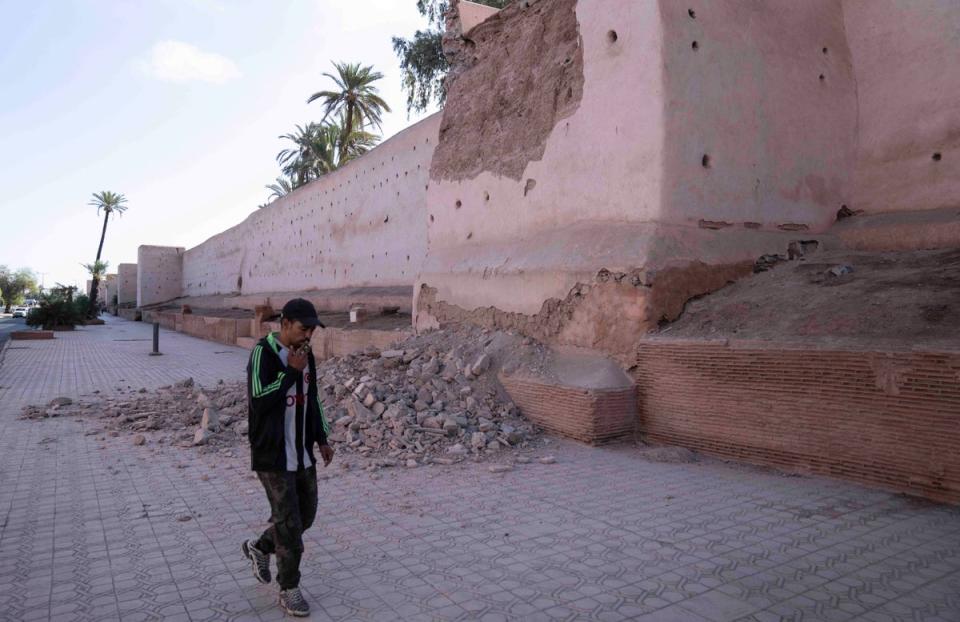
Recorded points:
(523,224)
(908,80)
(514,231)
(362,225)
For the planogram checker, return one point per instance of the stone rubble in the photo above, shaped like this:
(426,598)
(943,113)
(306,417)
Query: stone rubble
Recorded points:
(433,399)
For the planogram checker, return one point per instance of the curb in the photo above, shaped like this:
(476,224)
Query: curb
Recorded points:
(3,350)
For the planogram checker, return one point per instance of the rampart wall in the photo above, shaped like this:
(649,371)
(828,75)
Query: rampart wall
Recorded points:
(127,283)
(362,225)
(599,163)
(908,85)
(602,162)
(159,274)
(111,289)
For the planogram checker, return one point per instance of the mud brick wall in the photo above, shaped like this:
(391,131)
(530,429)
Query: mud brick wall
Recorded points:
(129,314)
(887,419)
(221,330)
(332,342)
(588,415)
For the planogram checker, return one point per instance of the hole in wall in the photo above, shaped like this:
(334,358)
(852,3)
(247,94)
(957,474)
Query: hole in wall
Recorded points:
(695,45)
(824,50)
(844,212)
(705,161)
(431,218)
(486,196)
(692,13)
(459,203)
(470,235)
(612,36)
(936,157)
(822,77)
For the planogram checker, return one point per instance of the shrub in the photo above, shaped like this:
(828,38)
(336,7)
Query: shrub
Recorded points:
(56,310)
(82,304)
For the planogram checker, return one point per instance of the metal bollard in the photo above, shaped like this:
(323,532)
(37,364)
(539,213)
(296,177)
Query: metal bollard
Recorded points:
(156,340)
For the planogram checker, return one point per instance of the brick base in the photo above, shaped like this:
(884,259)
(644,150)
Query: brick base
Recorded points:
(588,415)
(27,335)
(889,419)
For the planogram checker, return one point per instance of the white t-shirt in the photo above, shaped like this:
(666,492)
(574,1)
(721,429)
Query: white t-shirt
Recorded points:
(290,418)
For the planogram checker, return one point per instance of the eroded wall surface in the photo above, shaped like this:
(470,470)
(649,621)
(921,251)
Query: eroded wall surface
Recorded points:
(363,225)
(906,65)
(570,196)
(159,274)
(549,155)
(127,283)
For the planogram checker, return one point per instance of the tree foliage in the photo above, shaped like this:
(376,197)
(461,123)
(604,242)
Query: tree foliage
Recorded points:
(14,286)
(58,309)
(317,149)
(355,100)
(97,269)
(110,203)
(351,111)
(422,62)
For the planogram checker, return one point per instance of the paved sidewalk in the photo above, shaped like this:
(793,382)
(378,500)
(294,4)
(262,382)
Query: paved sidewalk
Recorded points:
(109,357)
(103,530)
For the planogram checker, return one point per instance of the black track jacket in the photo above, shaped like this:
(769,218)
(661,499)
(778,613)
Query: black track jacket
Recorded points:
(268,381)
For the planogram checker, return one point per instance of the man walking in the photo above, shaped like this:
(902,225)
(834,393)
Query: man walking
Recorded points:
(286,419)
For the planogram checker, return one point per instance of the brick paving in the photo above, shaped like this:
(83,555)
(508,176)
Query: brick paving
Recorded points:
(103,530)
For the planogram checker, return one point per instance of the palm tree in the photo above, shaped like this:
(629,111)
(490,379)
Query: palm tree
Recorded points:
(311,156)
(357,143)
(356,100)
(281,188)
(317,150)
(97,269)
(109,202)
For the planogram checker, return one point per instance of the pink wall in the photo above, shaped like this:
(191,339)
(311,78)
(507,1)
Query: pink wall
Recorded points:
(780,139)
(159,274)
(363,225)
(514,243)
(127,283)
(906,56)
(621,185)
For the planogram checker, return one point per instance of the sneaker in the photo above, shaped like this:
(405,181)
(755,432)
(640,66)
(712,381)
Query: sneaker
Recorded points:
(258,560)
(293,603)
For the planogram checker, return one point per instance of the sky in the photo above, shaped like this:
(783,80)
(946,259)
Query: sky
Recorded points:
(177,104)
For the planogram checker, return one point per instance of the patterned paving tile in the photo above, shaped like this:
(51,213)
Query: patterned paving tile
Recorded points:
(90,534)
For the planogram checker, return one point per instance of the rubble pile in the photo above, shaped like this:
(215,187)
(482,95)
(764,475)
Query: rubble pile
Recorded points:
(181,414)
(434,398)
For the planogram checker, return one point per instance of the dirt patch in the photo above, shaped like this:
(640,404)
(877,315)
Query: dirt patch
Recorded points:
(609,314)
(900,296)
(510,82)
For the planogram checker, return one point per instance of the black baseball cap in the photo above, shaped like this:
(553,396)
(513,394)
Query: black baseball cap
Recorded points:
(302,310)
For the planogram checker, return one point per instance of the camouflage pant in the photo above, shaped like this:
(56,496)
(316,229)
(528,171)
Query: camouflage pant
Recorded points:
(293,506)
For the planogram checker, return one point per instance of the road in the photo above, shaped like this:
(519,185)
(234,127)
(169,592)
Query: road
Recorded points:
(8,325)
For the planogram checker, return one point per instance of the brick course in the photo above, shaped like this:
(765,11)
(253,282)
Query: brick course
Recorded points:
(588,415)
(889,419)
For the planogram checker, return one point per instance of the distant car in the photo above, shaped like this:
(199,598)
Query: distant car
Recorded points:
(19,312)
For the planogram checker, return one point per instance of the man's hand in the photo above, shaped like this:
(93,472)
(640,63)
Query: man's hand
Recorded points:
(296,360)
(326,452)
